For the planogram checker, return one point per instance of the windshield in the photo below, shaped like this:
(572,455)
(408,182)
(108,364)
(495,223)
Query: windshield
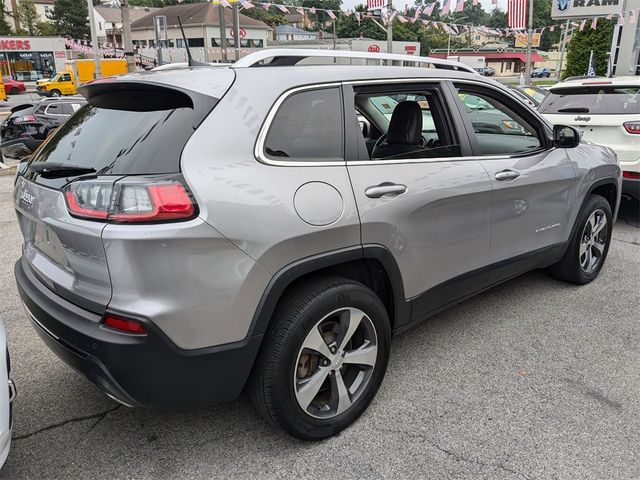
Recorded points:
(594,99)
(387,103)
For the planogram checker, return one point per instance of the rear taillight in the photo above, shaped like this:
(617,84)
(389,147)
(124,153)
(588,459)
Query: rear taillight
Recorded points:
(132,200)
(632,127)
(25,119)
(631,175)
(124,325)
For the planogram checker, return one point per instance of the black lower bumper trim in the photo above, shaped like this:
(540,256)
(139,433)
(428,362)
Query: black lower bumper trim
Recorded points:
(148,370)
(631,187)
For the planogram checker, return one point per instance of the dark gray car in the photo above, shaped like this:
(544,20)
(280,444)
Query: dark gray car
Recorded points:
(194,232)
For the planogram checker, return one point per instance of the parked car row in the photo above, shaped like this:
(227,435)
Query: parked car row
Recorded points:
(29,124)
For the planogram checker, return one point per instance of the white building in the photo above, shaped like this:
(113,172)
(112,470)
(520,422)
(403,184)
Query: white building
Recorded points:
(109,21)
(202,28)
(289,33)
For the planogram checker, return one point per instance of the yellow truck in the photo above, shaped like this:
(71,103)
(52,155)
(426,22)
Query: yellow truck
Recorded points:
(78,72)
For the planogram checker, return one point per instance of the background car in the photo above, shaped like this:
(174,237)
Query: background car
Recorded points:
(7,394)
(13,87)
(486,71)
(29,124)
(540,73)
(531,93)
(28,76)
(607,110)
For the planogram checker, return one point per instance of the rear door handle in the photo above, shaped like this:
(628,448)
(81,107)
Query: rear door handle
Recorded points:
(385,190)
(507,175)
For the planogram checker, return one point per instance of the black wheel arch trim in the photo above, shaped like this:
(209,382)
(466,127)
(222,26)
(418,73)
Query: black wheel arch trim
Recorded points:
(294,271)
(598,183)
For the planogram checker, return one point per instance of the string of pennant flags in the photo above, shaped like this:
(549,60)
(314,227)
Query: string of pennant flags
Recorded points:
(421,11)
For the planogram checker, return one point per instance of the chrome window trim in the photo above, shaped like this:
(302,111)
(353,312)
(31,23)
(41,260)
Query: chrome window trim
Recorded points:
(262,158)
(262,136)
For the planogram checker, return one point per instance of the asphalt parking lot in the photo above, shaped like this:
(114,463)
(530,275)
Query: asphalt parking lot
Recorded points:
(533,379)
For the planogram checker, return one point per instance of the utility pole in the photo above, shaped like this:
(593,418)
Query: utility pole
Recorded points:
(126,36)
(236,29)
(94,40)
(160,29)
(223,34)
(390,27)
(563,46)
(530,40)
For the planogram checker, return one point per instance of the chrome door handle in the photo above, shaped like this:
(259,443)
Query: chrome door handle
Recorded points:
(385,190)
(507,175)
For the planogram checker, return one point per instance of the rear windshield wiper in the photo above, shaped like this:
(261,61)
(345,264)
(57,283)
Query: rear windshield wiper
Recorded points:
(574,110)
(54,169)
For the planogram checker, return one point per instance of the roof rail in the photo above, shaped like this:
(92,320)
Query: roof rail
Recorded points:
(291,56)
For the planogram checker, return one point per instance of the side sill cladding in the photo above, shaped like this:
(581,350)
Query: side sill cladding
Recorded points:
(287,276)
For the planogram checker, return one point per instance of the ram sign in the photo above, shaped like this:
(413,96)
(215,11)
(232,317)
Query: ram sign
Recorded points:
(585,8)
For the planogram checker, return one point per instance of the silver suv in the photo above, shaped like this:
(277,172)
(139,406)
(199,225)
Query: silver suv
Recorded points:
(194,232)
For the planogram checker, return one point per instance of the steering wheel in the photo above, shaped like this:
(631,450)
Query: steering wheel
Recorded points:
(378,142)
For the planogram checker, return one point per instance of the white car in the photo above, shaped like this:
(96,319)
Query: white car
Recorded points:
(607,110)
(7,394)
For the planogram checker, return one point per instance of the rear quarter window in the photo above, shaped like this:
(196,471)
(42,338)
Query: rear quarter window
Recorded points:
(598,100)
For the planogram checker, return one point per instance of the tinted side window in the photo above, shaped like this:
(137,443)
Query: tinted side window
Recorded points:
(55,109)
(65,77)
(499,129)
(307,126)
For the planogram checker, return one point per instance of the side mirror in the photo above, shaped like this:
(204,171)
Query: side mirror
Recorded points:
(566,137)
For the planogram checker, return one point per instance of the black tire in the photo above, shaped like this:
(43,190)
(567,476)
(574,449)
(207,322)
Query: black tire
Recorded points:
(14,91)
(272,386)
(570,269)
(56,93)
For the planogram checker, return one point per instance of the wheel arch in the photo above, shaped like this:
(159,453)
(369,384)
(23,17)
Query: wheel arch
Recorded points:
(372,265)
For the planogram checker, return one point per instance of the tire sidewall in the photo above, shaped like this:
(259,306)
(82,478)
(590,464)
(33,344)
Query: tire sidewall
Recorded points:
(290,412)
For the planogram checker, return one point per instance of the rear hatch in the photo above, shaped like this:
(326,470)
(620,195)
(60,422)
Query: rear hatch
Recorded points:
(129,136)
(607,114)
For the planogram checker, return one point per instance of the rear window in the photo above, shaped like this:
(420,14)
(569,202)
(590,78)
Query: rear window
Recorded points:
(599,100)
(124,133)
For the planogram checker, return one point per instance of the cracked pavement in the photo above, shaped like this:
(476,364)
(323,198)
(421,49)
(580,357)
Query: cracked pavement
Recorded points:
(534,379)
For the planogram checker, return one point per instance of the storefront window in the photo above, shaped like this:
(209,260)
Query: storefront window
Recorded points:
(27,66)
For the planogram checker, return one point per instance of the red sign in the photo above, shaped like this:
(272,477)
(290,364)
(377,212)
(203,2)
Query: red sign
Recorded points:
(410,49)
(243,33)
(60,55)
(374,48)
(15,45)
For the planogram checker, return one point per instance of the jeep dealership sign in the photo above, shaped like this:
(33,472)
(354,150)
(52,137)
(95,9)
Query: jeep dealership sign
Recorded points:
(585,8)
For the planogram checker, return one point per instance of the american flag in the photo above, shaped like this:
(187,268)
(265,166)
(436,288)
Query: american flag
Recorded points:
(376,4)
(517,13)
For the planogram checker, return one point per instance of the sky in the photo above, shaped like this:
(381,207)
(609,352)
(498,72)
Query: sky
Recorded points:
(399,4)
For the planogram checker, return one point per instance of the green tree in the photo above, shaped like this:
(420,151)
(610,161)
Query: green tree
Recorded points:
(320,19)
(542,18)
(28,16)
(349,27)
(273,19)
(5,27)
(45,29)
(71,18)
(581,45)
(497,18)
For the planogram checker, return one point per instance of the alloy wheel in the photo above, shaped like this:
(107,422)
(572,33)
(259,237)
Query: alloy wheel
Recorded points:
(593,241)
(335,363)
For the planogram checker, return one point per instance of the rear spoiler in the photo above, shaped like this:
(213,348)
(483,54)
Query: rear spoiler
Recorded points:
(145,96)
(21,107)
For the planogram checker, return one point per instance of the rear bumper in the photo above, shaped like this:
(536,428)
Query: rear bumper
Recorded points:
(631,187)
(148,370)
(19,147)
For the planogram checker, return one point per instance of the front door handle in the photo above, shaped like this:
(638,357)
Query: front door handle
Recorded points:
(507,175)
(385,190)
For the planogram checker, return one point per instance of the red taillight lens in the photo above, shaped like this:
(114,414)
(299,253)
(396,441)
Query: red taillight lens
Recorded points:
(130,201)
(631,175)
(153,203)
(25,119)
(632,127)
(124,325)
